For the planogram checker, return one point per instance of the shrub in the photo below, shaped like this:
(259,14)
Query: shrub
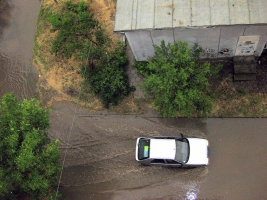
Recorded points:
(108,78)
(177,81)
(141,67)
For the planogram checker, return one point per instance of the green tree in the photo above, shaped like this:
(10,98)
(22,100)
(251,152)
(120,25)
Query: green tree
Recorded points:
(177,81)
(81,35)
(29,161)
(77,31)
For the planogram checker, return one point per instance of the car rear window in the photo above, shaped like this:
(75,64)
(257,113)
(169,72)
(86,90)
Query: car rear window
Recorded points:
(143,148)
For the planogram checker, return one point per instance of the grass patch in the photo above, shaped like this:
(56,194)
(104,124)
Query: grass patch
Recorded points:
(238,103)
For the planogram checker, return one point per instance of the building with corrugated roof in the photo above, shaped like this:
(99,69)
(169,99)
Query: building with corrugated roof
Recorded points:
(224,28)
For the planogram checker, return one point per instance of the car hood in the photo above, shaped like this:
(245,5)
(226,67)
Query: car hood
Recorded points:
(198,151)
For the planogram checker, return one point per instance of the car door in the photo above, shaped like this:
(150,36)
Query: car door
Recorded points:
(159,162)
(173,163)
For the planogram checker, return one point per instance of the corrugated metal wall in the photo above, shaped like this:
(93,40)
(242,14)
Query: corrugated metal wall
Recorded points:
(217,41)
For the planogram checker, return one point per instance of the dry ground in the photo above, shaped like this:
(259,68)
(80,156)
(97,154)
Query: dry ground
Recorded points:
(58,78)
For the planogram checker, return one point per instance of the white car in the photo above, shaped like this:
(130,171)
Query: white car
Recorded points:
(172,151)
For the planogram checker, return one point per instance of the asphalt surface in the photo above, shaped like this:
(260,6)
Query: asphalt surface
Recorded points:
(99,152)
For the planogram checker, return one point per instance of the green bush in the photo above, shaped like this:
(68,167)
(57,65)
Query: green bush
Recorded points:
(177,81)
(141,67)
(108,78)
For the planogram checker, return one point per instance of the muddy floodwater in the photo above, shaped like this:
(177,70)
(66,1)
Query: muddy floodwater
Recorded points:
(17,28)
(98,149)
(100,162)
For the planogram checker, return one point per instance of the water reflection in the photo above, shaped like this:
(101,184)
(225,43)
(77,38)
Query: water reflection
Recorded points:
(192,194)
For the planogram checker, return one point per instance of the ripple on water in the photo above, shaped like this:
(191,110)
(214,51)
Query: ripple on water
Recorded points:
(4,66)
(16,77)
(16,35)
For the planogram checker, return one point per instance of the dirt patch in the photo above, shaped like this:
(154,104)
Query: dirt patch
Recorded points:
(58,79)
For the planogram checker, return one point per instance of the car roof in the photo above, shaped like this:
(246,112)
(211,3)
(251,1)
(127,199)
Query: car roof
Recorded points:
(162,148)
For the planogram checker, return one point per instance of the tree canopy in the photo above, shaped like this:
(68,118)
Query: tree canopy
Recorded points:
(29,161)
(177,81)
(77,31)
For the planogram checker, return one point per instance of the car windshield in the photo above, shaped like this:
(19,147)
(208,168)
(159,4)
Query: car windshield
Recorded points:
(182,150)
(143,148)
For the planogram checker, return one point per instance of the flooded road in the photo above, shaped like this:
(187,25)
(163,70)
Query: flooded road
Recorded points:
(238,165)
(100,162)
(17,28)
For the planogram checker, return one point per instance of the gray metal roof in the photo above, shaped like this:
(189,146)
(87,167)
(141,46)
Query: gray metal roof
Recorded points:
(158,14)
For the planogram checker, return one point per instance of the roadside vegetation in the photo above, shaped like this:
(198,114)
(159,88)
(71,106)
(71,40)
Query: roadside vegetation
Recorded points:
(81,36)
(233,101)
(29,160)
(169,85)
(177,81)
(80,59)
(78,56)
